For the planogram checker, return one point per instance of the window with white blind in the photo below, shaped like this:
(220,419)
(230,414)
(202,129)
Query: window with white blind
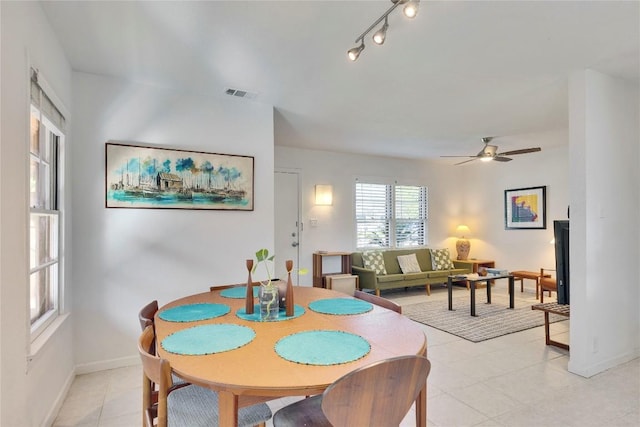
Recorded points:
(45,142)
(390,216)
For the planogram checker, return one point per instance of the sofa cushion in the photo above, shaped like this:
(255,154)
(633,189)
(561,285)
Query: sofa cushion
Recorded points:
(390,278)
(409,263)
(414,276)
(438,274)
(441,260)
(373,260)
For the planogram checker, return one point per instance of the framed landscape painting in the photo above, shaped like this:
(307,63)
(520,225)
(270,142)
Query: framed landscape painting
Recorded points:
(525,208)
(150,177)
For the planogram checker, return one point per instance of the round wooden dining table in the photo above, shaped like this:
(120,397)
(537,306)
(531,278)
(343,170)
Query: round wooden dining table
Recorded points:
(255,372)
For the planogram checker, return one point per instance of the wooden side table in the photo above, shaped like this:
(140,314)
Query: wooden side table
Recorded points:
(533,275)
(477,263)
(318,276)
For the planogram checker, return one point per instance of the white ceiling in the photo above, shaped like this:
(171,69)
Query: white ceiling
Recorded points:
(459,71)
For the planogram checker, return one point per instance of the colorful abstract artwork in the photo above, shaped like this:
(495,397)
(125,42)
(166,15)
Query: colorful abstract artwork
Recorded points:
(150,177)
(525,208)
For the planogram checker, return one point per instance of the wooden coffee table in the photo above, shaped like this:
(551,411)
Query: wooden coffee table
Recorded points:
(472,281)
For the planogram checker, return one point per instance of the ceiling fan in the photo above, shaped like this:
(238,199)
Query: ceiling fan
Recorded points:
(490,152)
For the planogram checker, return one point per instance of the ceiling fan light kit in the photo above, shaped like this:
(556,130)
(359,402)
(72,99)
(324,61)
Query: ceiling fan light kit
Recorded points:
(490,153)
(410,10)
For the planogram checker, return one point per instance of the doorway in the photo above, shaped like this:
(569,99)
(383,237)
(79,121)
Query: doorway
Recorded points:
(287,222)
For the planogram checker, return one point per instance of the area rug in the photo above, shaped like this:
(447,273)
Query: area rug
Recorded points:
(494,320)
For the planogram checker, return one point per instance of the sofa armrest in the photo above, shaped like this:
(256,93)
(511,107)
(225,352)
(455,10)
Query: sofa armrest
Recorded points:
(465,265)
(367,277)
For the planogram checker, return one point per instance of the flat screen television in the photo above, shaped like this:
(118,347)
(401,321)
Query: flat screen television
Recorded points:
(561,235)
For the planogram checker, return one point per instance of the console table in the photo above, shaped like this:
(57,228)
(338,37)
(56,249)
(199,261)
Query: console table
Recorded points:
(319,278)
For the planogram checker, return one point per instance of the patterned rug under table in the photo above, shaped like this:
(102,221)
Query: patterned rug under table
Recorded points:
(494,320)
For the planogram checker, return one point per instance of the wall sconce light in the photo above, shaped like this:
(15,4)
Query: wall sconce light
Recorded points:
(462,245)
(324,195)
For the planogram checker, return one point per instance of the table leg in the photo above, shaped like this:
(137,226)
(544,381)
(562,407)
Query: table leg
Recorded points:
(421,407)
(473,298)
(488,291)
(228,406)
(511,292)
(450,292)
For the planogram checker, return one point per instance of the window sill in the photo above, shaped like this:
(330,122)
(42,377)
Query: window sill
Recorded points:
(41,341)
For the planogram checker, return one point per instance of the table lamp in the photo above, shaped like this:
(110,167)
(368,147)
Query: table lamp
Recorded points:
(462,245)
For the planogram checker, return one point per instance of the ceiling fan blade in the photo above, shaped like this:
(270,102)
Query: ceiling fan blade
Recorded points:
(522,151)
(499,158)
(466,161)
(469,157)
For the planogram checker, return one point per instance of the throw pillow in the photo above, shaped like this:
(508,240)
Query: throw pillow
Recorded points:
(373,260)
(409,263)
(441,260)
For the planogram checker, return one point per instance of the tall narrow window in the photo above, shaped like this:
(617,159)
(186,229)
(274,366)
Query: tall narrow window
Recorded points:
(410,215)
(390,216)
(46,139)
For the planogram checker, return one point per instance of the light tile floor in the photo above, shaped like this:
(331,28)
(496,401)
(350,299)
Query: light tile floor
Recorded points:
(514,380)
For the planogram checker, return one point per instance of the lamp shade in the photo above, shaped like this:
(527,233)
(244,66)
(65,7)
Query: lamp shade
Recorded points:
(324,195)
(462,230)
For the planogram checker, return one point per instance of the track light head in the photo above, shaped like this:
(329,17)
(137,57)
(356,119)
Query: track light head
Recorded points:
(381,34)
(411,9)
(355,52)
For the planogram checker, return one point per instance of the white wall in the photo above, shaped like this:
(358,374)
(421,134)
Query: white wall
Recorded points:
(471,194)
(30,391)
(335,230)
(527,249)
(124,258)
(605,295)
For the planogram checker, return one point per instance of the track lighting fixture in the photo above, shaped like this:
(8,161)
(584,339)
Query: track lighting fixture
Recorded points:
(410,11)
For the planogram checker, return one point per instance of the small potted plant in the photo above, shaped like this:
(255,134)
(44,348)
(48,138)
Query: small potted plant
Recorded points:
(268,295)
(272,291)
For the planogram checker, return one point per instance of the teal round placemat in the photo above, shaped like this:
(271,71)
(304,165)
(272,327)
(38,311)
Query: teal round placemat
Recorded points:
(340,306)
(194,312)
(322,347)
(298,311)
(208,339)
(238,292)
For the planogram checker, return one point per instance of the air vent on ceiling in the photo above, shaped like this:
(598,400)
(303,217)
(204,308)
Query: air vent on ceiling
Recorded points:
(240,93)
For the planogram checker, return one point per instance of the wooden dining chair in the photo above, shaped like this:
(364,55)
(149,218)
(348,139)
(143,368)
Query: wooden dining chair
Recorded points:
(191,406)
(374,299)
(379,394)
(146,317)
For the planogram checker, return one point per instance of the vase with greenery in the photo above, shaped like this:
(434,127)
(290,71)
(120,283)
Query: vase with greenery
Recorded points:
(268,296)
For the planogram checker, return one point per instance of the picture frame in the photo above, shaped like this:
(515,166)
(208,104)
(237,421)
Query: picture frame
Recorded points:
(525,208)
(138,176)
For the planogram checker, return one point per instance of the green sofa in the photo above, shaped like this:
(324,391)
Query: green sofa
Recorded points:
(395,278)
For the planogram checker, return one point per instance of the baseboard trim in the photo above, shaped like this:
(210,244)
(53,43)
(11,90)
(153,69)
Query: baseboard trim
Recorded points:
(104,365)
